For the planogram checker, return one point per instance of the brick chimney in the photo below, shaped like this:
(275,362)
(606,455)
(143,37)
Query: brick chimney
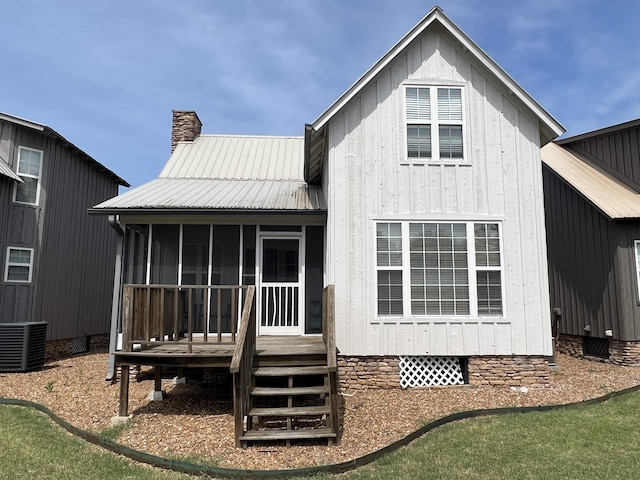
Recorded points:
(185,127)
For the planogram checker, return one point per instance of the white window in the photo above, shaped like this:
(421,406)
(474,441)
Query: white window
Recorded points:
(636,245)
(439,269)
(29,170)
(18,265)
(434,133)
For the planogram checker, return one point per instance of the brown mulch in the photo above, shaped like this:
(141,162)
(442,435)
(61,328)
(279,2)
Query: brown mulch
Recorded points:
(195,421)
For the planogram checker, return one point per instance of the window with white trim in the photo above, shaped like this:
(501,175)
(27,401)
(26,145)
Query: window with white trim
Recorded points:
(434,133)
(438,269)
(29,169)
(18,265)
(636,245)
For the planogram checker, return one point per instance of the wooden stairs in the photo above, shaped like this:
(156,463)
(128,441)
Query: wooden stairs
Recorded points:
(291,398)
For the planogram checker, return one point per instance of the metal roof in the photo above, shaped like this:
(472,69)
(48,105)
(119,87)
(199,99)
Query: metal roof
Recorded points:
(6,170)
(608,194)
(217,194)
(237,158)
(227,173)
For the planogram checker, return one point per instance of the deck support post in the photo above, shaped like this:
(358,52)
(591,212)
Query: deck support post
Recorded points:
(124,391)
(157,394)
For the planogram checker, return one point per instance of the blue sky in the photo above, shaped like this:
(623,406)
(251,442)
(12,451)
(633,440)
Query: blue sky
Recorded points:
(106,74)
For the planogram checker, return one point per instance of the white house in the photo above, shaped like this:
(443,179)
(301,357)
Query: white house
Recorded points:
(417,194)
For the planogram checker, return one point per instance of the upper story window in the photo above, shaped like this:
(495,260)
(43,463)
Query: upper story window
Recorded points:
(29,170)
(434,133)
(18,265)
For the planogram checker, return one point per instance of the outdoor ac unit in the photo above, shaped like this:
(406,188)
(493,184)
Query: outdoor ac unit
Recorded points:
(22,346)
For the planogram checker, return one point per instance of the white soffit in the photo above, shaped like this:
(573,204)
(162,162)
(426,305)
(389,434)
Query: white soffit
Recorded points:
(608,194)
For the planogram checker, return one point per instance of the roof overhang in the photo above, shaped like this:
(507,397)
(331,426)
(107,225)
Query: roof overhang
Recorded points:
(606,193)
(43,128)
(204,195)
(6,171)
(550,128)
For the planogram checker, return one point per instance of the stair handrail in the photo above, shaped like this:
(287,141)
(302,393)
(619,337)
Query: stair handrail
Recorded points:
(329,337)
(242,361)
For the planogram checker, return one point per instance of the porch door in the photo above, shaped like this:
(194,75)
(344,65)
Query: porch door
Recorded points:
(281,292)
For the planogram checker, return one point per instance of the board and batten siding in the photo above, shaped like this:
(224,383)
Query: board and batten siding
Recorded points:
(500,180)
(74,252)
(616,151)
(592,275)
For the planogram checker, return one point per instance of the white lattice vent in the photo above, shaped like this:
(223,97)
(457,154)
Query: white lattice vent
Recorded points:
(430,371)
(79,345)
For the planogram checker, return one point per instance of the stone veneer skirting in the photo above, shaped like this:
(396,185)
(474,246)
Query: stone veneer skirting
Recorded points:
(620,352)
(57,349)
(362,373)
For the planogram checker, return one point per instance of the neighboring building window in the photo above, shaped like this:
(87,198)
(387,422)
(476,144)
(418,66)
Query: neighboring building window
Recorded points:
(636,245)
(448,269)
(19,265)
(29,170)
(434,133)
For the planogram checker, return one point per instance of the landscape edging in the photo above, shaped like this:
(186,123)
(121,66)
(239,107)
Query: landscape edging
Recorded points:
(194,469)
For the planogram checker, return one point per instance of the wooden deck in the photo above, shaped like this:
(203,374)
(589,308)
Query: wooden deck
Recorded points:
(208,354)
(162,327)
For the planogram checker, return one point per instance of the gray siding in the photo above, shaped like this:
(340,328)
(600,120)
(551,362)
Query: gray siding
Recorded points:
(74,253)
(618,152)
(591,264)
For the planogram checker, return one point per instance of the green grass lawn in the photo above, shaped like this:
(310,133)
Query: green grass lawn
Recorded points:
(595,442)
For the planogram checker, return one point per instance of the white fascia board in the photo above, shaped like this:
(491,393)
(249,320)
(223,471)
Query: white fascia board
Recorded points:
(469,45)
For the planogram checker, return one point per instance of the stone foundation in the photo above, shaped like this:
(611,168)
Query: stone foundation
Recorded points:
(620,352)
(513,371)
(569,345)
(363,373)
(58,349)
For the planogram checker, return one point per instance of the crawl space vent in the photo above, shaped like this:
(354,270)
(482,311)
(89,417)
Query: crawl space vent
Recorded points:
(79,345)
(595,347)
(430,371)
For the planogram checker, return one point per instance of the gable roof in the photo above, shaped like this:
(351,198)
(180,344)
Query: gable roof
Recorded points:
(49,131)
(604,191)
(600,131)
(550,128)
(226,173)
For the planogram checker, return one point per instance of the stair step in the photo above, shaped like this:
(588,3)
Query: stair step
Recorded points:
(290,371)
(272,391)
(286,361)
(303,433)
(290,411)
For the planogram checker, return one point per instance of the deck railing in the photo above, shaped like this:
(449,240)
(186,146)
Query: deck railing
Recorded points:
(329,337)
(242,362)
(172,314)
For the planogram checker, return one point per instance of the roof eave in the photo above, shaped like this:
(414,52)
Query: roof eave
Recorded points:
(551,127)
(199,211)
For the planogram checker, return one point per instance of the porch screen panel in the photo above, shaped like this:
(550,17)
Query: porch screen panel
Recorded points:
(135,260)
(164,254)
(224,271)
(195,268)
(314,260)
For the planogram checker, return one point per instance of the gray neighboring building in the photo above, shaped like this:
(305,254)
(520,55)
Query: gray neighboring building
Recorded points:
(56,261)
(592,209)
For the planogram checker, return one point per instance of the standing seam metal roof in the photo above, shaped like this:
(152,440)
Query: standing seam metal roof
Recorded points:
(608,194)
(224,172)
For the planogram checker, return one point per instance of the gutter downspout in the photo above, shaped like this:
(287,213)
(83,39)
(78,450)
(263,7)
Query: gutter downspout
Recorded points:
(114,221)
